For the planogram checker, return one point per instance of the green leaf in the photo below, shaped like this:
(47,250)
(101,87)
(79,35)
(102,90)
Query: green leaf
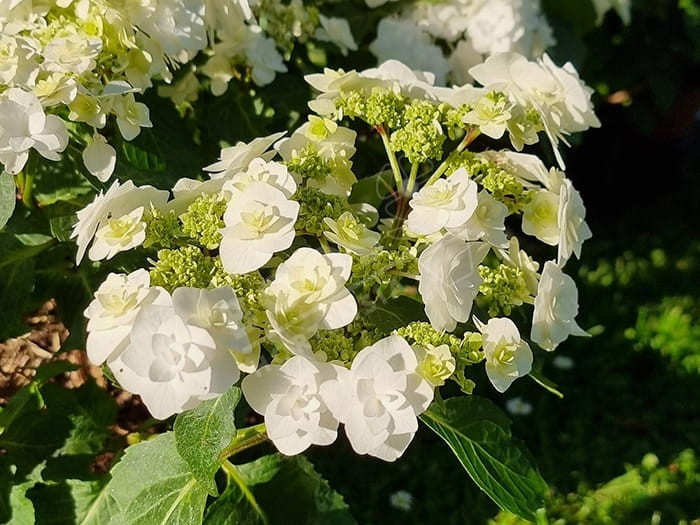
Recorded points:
(478,434)
(91,411)
(395,313)
(203,433)
(8,197)
(32,437)
(153,485)
(142,159)
(277,489)
(22,507)
(62,227)
(298,494)
(67,502)
(26,399)
(372,190)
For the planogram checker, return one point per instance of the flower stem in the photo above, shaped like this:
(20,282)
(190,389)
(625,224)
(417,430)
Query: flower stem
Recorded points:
(468,139)
(412,179)
(244,439)
(395,168)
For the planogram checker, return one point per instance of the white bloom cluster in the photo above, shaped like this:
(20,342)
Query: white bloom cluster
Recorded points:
(470,29)
(174,351)
(90,58)
(378,400)
(272,260)
(87,59)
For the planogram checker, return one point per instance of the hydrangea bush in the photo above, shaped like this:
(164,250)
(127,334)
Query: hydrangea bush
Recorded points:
(393,257)
(338,298)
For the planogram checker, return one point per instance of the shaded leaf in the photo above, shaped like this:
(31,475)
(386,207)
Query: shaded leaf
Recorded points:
(32,437)
(298,494)
(395,313)
(91,411)
(202,434)
(478,434)
(27,399)
(372,190)
(8,197)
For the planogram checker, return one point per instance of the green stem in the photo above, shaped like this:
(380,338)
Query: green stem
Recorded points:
(324,244)
(395,169)
(412,179)
(468,139)
(244,439)
(235,476)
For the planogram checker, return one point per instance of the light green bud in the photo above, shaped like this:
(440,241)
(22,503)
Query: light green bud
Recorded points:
(162,228)
(204,218)
(315,206)
(503,288)
(187,266)
(421,137)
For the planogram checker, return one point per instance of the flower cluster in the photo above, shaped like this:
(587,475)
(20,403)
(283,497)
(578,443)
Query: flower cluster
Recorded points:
(447,38)
(337,313)
(69,67)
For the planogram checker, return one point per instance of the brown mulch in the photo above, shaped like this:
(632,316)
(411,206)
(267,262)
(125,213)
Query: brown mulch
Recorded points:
(21,356)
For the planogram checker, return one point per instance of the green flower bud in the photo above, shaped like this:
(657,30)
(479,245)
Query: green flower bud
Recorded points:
(421,137)
(187,266)
(315,206)
(161,228)
(503,288)
(204,218)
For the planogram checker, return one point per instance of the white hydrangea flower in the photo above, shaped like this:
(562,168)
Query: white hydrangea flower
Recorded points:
(519,259)
(351,235)
(402,40)
(218,312)
(450,280)
(23,126)
(336,31)
(497,26)
(491,114)
(260,170)
(131,116)
(461,60)
(118,234)
(259,222)
(540,217)
(379,398)
(507,356)
(557,94)
(447,203)
(573,230)
(100,158)
(173,366)
(486,223)
(292,323)
(262,54)
(177,26)
(238,157)
(289,398)
(435,363)
(117,203)
(317,279)
(111,313)
(556,307)
(72,53)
